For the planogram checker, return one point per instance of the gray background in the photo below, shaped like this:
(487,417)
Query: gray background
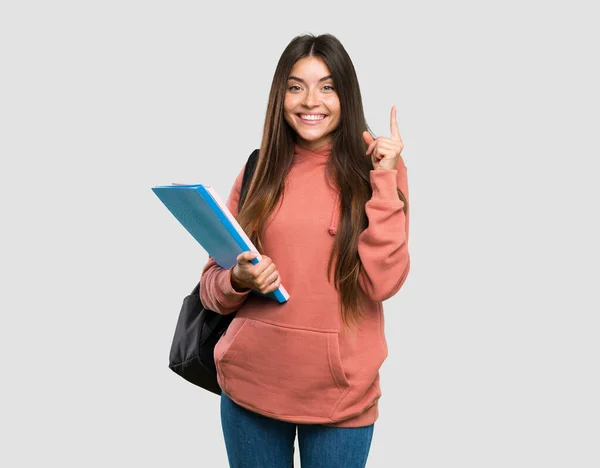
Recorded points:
(493,339)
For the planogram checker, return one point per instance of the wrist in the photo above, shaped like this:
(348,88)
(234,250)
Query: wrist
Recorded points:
(235,284)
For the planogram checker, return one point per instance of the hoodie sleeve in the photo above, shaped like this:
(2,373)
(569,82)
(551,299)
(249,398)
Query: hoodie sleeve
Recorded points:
(216,290)
(383,245)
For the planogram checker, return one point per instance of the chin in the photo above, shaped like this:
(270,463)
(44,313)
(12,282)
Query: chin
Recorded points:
(311,136)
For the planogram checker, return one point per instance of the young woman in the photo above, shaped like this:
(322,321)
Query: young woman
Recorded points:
(328,209)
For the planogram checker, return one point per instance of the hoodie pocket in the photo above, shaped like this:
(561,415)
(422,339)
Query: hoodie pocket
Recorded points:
(284,372)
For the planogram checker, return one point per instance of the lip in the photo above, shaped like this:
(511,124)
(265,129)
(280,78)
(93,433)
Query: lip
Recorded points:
(312,122)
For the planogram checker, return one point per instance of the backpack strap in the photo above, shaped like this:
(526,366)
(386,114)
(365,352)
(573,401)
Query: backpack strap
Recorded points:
(248,173)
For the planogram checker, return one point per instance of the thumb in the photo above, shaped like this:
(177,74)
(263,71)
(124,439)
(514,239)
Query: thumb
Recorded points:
(368,138)
(246,256)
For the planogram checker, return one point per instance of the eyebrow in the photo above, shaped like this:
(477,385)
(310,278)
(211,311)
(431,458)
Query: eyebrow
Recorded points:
(328,77)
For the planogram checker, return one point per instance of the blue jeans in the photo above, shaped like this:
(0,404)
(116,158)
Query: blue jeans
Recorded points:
(255,441)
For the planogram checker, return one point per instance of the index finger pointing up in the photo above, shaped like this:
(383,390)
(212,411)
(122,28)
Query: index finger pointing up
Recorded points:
(394,125)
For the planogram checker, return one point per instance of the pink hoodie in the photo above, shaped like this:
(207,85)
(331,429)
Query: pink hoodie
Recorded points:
(296,361)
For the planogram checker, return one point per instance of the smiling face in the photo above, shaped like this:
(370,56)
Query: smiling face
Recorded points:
(312,106)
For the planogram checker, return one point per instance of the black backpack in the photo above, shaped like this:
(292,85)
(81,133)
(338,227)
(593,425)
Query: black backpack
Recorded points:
(198,328)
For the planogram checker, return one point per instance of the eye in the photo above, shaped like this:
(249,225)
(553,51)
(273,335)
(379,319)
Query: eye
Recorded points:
(291,88)
(331,88)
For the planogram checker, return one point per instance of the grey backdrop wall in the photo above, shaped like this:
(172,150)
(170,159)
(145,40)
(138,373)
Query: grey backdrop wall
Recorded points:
(493,338)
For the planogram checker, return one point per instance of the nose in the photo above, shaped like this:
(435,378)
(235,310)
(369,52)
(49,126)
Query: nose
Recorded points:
(310,99)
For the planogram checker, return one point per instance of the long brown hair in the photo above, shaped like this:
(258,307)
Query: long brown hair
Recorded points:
(347,169)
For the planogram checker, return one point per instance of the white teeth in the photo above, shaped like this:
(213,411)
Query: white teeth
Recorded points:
(312,117)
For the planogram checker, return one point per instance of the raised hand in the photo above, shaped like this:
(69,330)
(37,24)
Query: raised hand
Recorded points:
(385,152)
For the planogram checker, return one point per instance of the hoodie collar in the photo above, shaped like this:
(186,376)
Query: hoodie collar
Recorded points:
(321,152)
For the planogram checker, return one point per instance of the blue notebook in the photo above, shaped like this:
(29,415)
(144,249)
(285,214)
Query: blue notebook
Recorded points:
(206,217)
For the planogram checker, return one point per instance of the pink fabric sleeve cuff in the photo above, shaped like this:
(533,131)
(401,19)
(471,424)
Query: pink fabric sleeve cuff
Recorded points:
(384,185)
